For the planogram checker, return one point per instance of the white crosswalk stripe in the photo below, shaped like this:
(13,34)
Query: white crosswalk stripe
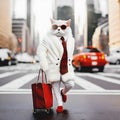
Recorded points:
(6,74)
(17,83)
(87,85)
(100,77)
(110,74)
(71,92)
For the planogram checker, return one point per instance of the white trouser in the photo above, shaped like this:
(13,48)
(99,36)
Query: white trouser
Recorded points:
(56,89)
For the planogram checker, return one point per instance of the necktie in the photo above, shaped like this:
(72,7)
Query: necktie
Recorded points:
(63,63)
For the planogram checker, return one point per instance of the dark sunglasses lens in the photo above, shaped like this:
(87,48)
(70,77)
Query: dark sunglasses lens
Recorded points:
(63,27)
(54,27)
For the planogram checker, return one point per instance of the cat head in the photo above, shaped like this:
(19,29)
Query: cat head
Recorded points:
(60,27)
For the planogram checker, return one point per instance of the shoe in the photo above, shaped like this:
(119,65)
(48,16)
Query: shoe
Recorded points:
(64,97)
(59,109)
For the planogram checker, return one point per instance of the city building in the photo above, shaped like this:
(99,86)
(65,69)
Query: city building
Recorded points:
(91,32)
(21,25)
(100,38)
(107,34)
(64,9)
(114,23)
(87,16)
(96,9)
(7,38)
(20,29)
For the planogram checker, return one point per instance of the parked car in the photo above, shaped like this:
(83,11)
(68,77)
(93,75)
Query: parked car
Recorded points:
(24,58)
(88,59)
(36,58)
(114,57)
(7,57)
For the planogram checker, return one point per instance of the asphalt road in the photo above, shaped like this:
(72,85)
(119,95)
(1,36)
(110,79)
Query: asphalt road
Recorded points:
(96,96)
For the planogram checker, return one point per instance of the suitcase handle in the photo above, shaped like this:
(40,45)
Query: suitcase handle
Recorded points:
(43,74)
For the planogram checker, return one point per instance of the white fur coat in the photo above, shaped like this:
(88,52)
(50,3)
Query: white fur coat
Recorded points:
(50,52)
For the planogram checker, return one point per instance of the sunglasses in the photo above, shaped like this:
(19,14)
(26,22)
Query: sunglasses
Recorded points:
(63,27)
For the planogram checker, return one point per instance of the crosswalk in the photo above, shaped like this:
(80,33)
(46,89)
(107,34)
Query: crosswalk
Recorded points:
(19,82)
(112,80)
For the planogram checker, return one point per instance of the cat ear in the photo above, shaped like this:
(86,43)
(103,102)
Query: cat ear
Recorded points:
(68,22)
(52,21)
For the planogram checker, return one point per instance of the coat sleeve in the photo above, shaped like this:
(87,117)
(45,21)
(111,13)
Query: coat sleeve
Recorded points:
(42,54)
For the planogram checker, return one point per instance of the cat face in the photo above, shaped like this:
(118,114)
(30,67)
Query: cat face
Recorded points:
(60,27)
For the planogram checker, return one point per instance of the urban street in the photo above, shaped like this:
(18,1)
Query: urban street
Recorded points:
(96,96)
(56,35)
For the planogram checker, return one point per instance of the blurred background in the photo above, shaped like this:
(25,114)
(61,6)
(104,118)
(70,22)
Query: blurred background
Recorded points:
(23,23)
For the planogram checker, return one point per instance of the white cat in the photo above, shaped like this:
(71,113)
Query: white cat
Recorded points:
(61,28)
(50,52)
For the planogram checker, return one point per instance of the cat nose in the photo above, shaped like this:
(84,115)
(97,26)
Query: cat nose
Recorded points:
(58,29)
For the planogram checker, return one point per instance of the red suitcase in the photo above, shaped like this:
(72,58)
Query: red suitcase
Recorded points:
(42,95)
